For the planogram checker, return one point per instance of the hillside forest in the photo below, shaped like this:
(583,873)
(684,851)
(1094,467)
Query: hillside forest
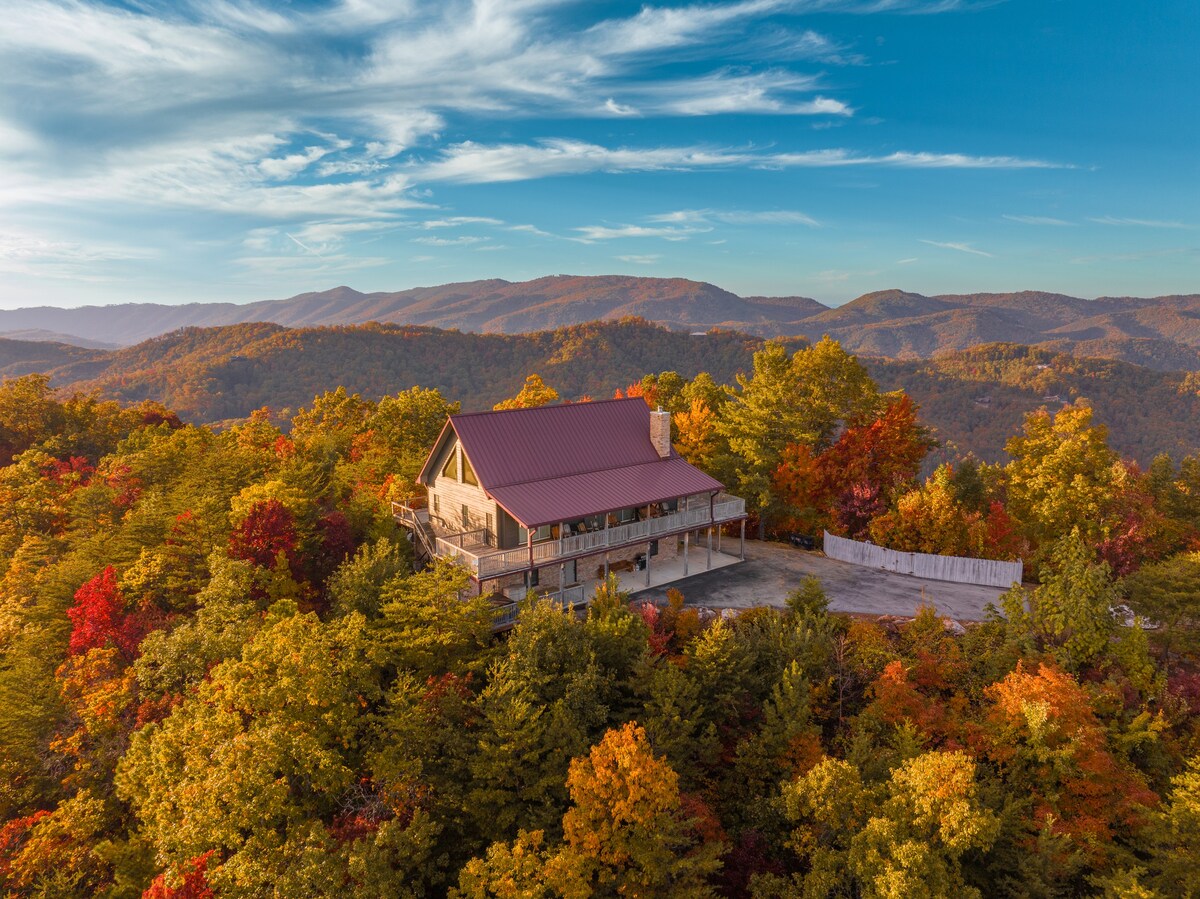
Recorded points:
(973,399)
(221,677)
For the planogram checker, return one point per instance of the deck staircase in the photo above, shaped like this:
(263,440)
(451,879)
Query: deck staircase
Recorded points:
(417,522)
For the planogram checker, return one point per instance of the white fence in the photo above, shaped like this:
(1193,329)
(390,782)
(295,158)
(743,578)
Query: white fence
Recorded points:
(938,568)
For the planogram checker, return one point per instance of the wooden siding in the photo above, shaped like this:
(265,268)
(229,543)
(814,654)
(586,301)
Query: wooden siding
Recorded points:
(452,495)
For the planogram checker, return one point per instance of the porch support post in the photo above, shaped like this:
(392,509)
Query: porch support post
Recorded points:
(606,566)
(529,572)
(561,527)
(647,564)
(562,576)
(686,535)
(710,546)
(743,541)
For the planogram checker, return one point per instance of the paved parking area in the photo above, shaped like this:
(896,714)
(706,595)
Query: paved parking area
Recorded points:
(772,570)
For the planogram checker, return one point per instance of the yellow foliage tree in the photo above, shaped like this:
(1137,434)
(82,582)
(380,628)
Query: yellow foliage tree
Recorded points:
(536,392)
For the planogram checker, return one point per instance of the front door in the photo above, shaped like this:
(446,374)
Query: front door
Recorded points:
(569,573)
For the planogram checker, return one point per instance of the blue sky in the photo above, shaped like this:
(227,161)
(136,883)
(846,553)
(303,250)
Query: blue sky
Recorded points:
(203,150)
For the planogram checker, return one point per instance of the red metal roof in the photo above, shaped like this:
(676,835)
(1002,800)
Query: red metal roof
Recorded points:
(568,498)
(558,463)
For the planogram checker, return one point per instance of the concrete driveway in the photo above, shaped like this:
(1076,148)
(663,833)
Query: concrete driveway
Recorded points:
(773,570)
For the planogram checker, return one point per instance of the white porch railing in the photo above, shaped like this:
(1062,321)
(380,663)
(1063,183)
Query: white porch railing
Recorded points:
(570,598)
(501,562)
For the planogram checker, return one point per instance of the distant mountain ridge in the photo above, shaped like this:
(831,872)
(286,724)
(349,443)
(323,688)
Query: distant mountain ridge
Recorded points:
(1159,332)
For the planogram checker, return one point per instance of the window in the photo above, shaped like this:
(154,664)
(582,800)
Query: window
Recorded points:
(466,517)
(488,523)
(437,507)
(450,469)
(468,473)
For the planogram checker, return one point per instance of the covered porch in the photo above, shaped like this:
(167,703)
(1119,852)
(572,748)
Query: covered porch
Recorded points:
(659,573)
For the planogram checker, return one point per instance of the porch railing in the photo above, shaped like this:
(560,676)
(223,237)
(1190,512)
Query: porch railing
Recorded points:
(505,561)
(570,597)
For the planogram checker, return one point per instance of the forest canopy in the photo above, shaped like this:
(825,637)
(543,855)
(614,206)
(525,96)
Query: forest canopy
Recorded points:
(221,676)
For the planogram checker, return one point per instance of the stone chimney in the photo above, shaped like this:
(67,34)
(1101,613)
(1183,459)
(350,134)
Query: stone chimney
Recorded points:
(660,432)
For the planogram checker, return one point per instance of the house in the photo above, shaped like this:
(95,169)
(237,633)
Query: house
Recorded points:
(555,498)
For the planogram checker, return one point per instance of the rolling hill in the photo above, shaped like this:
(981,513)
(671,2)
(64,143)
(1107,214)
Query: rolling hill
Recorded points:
(974,399)
(1160,332)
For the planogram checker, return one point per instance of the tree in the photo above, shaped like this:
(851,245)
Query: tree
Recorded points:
(628,833)
(906,837)
(260,756)
(267,531)
(535,392)
(927,520)
(1062,475)
(696,434)
(1043,733)
(429,624)
(1168,594)
(1175,836)
(1071,611)
(761,418)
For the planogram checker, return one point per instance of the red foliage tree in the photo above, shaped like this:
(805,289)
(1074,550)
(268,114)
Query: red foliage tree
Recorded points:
(98,616)
(267,530)
(337,542)
(14,835)
(854,480)
(193,882)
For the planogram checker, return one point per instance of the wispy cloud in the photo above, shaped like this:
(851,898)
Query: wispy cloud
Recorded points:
(1138,223)
(464,241)
(738,217)
(474,163)
(456,221)
(958,246)
(647,259)
(1037,220)
(590,233)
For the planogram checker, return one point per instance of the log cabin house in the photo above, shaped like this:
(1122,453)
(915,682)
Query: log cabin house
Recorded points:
(554,498)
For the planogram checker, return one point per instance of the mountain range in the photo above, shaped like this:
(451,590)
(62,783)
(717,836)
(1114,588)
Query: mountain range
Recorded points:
(1159,332)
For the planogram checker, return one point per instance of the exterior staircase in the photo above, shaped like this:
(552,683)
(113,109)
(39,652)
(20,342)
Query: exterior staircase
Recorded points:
(417,522)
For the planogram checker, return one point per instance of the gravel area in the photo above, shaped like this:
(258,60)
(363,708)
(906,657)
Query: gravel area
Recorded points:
(772,570)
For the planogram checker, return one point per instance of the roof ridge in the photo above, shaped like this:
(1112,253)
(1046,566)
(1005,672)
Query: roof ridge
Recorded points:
(563,405)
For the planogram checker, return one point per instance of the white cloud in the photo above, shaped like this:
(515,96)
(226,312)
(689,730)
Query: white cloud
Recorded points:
(739,217)
(960,247)
(620,232)
(475,163)
(618,109)
(1138,223)
(463,241)
(456,221)
(1036,220)
(647,259)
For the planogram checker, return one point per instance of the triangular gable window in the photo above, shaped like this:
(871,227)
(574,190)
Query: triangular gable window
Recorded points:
(468,473)
(450,469)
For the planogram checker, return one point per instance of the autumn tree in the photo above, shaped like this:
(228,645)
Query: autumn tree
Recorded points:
(1071,612)
(1167,594)
(905,837)
(627,833)
(535,392)
(1062,475)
